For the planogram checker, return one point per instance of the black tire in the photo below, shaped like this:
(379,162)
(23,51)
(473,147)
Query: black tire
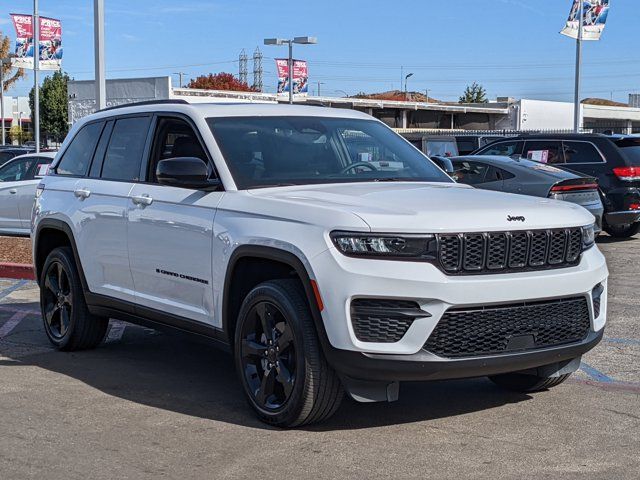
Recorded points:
(519,382)
(289,386)
(622,231)
(67,321)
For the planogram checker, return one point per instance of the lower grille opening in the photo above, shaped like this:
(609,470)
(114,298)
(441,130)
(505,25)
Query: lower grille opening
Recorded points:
(383,321)
(501,329)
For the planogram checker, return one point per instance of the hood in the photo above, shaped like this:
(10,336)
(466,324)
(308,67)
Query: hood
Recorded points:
(433,207)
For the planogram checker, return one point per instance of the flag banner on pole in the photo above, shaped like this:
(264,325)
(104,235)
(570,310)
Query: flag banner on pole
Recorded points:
(300,76)
(595,14)
(50,42)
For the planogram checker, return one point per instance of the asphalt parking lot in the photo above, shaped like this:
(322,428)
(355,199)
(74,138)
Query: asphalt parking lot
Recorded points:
(153,405)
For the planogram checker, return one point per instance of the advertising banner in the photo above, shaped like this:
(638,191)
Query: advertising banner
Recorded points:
(595,14)
(50,49)
(300,76)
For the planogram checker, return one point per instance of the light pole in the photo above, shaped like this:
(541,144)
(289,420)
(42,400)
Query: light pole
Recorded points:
(282,41)
(576,113)
(180,75)
(20,127)
(427,92)
(319,84)
(35,23)
(406,77)
(98,45)
(3,62)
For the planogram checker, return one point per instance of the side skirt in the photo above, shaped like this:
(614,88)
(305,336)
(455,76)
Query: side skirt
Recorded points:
(112,308)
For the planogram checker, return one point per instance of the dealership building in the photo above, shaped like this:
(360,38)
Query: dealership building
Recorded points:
(502,114)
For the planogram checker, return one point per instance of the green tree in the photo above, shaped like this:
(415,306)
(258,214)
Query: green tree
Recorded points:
(53,105)
(474,93)
(11,75)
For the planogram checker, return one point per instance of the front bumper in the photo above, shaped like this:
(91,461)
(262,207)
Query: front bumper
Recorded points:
(423,366)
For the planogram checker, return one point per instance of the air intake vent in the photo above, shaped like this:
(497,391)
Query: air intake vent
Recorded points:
(383,321)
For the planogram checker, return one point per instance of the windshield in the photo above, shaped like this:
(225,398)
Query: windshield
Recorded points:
(273,151)
(630,148)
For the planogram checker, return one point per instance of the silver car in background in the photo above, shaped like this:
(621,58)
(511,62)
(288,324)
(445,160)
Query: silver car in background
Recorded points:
(19,178)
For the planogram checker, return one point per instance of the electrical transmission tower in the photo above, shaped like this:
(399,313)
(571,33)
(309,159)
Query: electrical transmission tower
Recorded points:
(257,70)
(243,63)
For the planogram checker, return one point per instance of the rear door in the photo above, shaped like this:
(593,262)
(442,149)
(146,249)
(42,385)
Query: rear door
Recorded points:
(102,200)
(170,233)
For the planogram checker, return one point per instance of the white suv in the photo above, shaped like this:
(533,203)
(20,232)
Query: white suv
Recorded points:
(322,249)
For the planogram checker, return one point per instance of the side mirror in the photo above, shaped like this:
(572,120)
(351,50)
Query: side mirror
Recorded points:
(444,163)
(185,172)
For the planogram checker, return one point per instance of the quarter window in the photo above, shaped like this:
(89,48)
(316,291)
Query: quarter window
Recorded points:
(123,158)
(77,157)
(581,152)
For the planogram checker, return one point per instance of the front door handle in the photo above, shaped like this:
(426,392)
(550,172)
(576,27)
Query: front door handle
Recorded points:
(13,191)
(82,193)
(142,200)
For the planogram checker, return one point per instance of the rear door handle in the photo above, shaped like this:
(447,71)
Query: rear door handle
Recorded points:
(13,191)
(82,193)
(143,200)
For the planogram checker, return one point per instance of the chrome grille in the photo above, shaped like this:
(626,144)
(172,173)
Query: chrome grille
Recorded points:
(497,252)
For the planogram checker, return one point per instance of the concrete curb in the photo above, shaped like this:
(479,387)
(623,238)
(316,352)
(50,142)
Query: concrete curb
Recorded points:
(18,271)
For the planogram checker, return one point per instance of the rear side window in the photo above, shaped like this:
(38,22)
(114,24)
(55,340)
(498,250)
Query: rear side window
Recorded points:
(544,151)
(123,158)
(581,152)
(470,173)
(630,149)
(504,149)
(77,157)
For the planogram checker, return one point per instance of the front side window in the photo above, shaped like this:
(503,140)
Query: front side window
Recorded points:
(544,151)
(76,159)
(123,158)
(17,170)
(504,149)
(268,151)
(470,173)
(581,152)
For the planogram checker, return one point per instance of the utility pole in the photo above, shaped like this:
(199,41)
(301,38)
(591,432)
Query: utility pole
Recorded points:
(319,83)
(35,23)
(98,33)
(427,92)
(577,114)
(180,75)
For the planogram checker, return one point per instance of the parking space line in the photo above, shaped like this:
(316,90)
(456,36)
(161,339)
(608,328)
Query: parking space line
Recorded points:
(10,324)
(13,288)
(595,374)
(623,341)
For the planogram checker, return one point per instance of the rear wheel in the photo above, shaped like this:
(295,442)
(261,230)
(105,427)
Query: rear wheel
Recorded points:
(520,382)
(622,231)
(67,320)
(285,376)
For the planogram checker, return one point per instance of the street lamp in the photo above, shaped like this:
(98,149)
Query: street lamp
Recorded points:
(319,84)
(282,41)
(342,92)
(3,62)
(409,75)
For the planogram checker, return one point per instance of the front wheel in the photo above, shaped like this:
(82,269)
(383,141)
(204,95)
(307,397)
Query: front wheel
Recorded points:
(520,382)
(284,374)
(622,231)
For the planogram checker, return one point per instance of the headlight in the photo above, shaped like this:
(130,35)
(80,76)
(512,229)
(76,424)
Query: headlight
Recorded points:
(385,246)
(588,236)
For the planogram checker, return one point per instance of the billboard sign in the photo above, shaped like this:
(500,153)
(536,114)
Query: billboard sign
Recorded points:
(50,48)
(300,76)
(595,14)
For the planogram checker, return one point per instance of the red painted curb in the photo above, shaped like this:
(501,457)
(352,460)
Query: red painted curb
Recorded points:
(18,271)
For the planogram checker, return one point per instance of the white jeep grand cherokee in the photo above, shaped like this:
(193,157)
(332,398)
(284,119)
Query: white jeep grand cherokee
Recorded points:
(322,249)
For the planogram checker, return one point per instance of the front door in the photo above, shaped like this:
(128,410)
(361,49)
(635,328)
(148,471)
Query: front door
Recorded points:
(170,233)
(14,183)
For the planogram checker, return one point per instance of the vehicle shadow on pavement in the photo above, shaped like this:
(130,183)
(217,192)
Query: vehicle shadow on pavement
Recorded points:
(174,373)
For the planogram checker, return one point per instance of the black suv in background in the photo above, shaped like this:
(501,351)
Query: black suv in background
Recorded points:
(613,159)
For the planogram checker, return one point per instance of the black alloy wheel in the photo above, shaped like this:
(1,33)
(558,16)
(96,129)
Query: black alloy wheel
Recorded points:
(58,300)
(268,356)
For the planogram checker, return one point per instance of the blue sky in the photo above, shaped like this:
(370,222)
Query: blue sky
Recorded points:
(512,47)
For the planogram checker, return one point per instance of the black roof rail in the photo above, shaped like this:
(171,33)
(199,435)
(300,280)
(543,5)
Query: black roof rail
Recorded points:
(174,101)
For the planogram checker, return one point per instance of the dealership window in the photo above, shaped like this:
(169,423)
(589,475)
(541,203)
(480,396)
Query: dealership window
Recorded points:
(76,158)
(123,158)
(544,151)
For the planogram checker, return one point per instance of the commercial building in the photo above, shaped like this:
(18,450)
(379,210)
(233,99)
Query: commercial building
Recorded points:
(503,114)
(16,112)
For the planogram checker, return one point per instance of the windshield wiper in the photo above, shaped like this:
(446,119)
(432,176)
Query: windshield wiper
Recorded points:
(394,179)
